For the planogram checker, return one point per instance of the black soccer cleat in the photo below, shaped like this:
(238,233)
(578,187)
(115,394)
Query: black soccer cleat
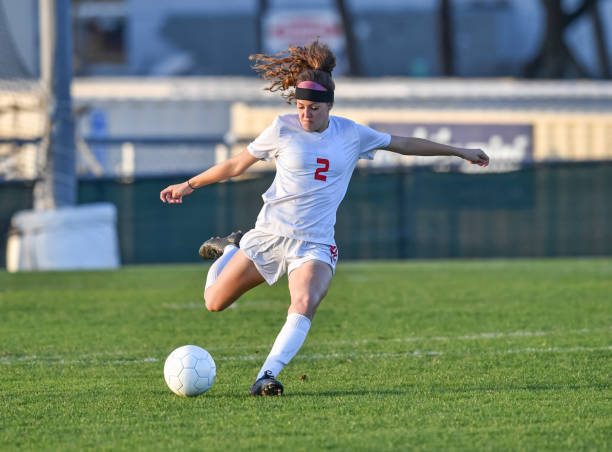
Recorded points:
(214,246)
(267,385)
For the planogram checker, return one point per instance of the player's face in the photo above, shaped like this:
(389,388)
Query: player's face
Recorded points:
(314,116)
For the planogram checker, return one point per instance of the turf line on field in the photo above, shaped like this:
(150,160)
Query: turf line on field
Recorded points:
(463,337)
(470,337)
(35,359)
(428,353)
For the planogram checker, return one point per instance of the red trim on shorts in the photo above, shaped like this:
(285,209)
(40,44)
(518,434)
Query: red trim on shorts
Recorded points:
(333,253)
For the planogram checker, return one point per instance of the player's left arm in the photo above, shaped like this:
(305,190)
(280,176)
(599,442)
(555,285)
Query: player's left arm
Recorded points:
(420,146)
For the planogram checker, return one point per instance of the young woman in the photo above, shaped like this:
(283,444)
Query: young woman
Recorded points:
(315,156)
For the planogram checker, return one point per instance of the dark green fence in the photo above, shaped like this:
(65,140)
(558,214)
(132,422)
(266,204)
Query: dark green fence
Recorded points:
(14,196)
(556,210)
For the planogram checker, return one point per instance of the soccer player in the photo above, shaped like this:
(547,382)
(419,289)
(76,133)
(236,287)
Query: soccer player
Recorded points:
(315,155)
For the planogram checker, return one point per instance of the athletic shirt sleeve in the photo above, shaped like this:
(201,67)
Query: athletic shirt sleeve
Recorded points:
(265,146)
(370,140)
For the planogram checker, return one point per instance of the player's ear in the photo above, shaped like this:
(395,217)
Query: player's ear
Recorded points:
(330,105)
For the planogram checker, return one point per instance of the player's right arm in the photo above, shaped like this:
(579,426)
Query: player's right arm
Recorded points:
(222,171)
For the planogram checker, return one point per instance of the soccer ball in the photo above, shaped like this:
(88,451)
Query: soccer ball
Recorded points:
(189,371)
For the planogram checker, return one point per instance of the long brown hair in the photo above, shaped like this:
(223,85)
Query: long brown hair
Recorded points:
(286,69)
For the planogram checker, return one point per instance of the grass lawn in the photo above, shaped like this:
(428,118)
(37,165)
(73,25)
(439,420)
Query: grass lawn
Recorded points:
(415,355)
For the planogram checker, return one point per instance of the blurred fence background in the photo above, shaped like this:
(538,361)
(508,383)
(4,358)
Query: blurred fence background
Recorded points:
(547,192)
(542,210)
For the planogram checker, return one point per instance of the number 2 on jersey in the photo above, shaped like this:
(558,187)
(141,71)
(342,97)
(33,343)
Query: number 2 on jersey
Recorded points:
(319,172)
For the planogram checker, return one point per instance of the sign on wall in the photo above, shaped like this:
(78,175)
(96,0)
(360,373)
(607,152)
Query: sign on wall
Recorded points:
(299,27)
(508,145)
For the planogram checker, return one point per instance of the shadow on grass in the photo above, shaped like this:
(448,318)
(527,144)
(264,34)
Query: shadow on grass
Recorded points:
(390,392)
(416,390)
(413,390)
(218,395)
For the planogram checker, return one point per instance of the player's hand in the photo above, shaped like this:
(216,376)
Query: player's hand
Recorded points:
(173,194)
(475,156)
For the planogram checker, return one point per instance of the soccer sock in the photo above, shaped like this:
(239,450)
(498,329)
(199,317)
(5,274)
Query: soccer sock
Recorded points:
(287,344)
(215,269)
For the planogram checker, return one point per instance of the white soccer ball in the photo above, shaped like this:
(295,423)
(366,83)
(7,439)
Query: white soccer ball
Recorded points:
(189,371)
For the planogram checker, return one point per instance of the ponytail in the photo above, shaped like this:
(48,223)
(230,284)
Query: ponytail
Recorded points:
(314,62)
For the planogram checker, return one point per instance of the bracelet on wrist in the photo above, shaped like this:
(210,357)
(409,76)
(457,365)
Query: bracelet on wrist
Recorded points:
(190,186)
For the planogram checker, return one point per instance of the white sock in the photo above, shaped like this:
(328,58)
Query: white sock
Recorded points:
(287,344)
(215,269)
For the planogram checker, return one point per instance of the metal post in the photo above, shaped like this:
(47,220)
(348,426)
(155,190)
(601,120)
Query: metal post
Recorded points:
(58,187)
(46,38)
(262,6)
(446,38)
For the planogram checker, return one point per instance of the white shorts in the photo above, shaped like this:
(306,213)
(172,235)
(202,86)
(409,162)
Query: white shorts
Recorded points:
(274,255)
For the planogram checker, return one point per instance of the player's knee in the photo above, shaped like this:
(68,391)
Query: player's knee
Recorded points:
(305,303)
(213,301)
(212,306)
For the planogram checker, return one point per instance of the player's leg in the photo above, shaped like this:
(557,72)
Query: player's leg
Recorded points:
(238,275)
(308,284)
(221,249)
(240,278)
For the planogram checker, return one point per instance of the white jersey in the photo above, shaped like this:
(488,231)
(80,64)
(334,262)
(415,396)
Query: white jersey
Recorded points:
(313,171)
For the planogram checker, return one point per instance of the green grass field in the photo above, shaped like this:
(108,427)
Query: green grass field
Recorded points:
(437,355)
